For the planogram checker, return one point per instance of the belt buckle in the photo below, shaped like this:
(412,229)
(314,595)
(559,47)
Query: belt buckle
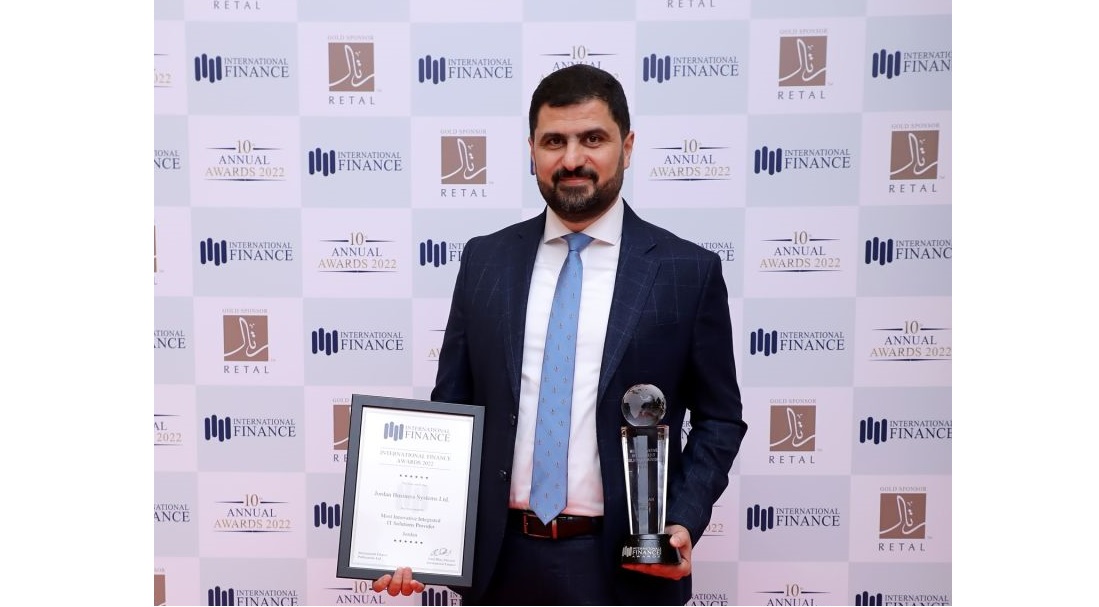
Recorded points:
(553,528)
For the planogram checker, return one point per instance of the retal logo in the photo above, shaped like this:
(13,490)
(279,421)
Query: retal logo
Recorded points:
(160,593)
(760,518)
(245,338)
(802,60)
(903,516)
(793,428)
(326,515)
(341,428)
(464,160)
(914,155)
(351,67)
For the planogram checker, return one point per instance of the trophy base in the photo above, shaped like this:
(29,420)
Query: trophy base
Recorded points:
(650,549)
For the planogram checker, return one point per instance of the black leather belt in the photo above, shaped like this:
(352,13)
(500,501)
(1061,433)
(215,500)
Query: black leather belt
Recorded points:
(562,527)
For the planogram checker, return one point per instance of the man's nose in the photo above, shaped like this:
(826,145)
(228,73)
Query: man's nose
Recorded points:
(574,156)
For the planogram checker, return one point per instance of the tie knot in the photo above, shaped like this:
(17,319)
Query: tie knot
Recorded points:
(577,241)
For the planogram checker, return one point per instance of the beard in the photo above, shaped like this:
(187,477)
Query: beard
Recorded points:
(573,203)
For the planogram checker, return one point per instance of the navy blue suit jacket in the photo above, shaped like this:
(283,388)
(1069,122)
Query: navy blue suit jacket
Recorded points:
(669,326)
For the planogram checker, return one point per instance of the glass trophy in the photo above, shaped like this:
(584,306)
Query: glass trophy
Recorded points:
(645,459)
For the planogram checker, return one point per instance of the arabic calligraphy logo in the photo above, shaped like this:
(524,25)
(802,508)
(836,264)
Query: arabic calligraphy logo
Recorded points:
(793,428)
(245,338)
(802,60)
(351,66)
(464,160)
(914,155)
(903,516)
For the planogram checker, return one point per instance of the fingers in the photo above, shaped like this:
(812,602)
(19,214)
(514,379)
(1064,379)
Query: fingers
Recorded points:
(399,582)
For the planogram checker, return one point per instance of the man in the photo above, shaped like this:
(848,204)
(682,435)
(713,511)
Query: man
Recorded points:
(653,310)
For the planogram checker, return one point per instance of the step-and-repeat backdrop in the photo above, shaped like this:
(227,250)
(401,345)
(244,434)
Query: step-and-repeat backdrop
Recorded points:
(320,164)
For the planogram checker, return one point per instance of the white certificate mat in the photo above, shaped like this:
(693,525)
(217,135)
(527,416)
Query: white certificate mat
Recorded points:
(410,488)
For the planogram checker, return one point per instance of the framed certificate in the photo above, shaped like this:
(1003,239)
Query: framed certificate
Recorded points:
(410,489)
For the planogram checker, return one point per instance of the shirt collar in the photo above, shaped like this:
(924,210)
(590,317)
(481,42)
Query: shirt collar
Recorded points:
(607,228)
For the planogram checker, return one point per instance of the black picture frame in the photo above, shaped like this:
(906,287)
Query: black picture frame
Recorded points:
(362,516)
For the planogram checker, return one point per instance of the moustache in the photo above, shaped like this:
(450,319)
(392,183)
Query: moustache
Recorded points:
(560,174)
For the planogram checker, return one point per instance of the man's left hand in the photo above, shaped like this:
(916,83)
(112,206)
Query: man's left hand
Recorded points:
(681,540)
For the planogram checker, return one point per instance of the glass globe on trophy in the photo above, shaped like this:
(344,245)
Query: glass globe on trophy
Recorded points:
(645,460)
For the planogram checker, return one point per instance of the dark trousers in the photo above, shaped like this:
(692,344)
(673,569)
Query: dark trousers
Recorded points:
(535,571)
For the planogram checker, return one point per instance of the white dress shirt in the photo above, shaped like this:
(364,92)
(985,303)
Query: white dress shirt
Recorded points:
(600,261)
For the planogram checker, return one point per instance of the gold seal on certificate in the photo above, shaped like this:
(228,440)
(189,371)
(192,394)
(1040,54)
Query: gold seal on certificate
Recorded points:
(645,458)
(410,489)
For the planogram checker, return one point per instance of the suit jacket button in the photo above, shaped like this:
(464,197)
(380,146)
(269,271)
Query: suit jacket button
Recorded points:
(514,420)
(503,475)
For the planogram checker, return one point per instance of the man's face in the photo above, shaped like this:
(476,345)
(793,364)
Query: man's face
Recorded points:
(579,159)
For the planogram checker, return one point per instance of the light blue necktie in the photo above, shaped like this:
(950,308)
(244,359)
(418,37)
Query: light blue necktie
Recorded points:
(551,435)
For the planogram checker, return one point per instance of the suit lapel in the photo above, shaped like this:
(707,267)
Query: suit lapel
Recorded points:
(636,272)
(524,249)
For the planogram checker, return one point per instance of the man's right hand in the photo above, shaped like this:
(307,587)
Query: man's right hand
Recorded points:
(399,582)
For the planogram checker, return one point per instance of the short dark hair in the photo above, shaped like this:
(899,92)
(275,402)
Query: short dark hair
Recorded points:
(576,84)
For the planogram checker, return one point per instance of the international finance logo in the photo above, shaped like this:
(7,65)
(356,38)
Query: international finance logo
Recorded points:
(879,431)
(393,430)
(328,162)
(326,342)
(431,596)
(439,252)
(901,598)
(891,64)
(793,428)
(774,160)
(902,516)
(431,70)
(437,70)
(882,251)
(215,68)
(802,60)
(914,155)
(464,159)
(246,337)
(221,596)
(351,67)
(660,69)
(760,518)
(769,343)
(326,515)
(797,517)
